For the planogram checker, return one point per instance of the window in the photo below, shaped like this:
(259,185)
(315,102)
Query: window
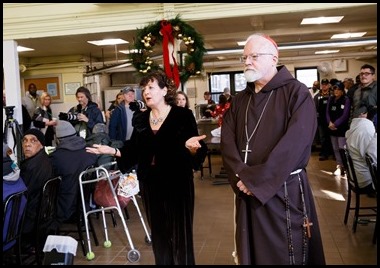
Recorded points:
(218,81)
(307,75)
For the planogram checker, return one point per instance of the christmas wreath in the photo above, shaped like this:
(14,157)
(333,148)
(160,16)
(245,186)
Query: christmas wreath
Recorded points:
(165,31)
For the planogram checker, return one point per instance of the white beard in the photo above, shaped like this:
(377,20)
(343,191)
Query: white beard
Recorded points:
(251,75)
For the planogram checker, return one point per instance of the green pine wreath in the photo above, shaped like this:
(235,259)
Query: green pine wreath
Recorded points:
(149,36)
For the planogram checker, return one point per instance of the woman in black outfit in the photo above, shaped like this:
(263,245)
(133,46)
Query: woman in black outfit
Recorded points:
(166,147)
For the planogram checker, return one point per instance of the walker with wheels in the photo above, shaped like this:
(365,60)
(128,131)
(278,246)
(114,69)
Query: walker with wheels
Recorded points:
(93,175)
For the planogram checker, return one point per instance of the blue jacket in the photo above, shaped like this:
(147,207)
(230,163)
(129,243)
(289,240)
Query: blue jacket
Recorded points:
(118,123)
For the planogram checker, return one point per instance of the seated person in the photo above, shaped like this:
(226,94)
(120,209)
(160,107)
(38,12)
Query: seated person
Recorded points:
(12,183)
(205,110)
(35,170)
(69,160)
(220,109)
(99,136)
(360,139)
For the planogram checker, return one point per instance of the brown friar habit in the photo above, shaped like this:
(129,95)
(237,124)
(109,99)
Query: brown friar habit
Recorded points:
(265,229)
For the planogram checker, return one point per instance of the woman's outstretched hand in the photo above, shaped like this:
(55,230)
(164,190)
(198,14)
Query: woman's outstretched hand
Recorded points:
(100,149)
(193,143)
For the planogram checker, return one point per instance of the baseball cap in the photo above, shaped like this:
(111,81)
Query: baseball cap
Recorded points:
(325,81)
(338,85)
(127,89)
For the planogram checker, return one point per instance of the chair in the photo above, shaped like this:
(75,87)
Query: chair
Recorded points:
(13,218)
(373,170)
(46,214)
(353,187)
(208,165)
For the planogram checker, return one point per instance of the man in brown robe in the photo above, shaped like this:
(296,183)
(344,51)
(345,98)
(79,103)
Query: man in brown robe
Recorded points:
(266,142)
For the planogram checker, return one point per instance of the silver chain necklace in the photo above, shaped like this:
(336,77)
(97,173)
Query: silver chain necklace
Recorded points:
(160,119)
(246,150)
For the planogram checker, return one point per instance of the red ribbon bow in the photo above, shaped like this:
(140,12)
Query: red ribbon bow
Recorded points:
(171,72)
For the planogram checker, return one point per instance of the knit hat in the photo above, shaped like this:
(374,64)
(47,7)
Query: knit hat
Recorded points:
(36,132)
(64,129)
(99,128)
(7,161)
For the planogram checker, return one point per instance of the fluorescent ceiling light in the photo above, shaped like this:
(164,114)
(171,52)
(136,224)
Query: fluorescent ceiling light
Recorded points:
(224,51)
(321,20)
(23,49)
(348,35)
(107,42)
(326,51)
(346,43)
(310,45)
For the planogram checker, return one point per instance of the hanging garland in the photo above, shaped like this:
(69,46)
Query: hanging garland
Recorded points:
(164,32)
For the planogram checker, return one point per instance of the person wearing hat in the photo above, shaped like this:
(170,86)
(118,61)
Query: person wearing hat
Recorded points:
(70,146)
(120,127)
(12,183)
(100,136)
(320,100)
(35,170)
(85,115)
(337,116)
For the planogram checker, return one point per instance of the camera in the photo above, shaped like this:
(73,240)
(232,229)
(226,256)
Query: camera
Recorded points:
(137,105)
(68,116)
(9,111)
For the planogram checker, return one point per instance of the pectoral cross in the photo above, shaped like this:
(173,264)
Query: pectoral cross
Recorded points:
(246,151)
(307,225)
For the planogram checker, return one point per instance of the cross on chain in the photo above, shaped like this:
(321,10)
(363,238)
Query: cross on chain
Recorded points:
(246,151)
(307,225)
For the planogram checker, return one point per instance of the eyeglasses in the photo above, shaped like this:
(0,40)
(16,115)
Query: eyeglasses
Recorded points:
(32,140)
(252,56)
(365,74)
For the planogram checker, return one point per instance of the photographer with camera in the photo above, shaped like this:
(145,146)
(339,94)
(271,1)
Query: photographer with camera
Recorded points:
(85,115)
(121,127)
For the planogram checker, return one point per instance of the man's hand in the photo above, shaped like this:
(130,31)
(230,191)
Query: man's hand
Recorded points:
(243,188)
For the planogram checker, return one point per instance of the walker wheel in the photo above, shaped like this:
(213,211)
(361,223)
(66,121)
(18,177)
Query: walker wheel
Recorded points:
(90,256)
(107,244)
(133,255)
(148,240)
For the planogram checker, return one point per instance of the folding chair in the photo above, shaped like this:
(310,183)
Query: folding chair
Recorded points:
(13,218)
(353,187)
(373,170)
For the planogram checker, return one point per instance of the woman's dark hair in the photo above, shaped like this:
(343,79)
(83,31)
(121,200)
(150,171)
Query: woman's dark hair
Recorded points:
(162,81)
(85,91)
(222,99)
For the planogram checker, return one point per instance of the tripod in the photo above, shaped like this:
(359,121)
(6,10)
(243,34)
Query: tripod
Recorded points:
(11,123)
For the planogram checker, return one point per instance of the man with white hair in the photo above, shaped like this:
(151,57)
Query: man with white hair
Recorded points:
(266,142)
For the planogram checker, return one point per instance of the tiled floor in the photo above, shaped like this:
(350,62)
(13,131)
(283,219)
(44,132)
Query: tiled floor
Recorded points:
(213,224)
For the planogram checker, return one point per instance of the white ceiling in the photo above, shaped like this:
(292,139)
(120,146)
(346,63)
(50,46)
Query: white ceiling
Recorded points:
(224,33)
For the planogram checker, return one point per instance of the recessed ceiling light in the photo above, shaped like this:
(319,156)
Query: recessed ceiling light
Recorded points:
(107,42)
(321,20)
(348,35)
(327,51)
(23,49)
